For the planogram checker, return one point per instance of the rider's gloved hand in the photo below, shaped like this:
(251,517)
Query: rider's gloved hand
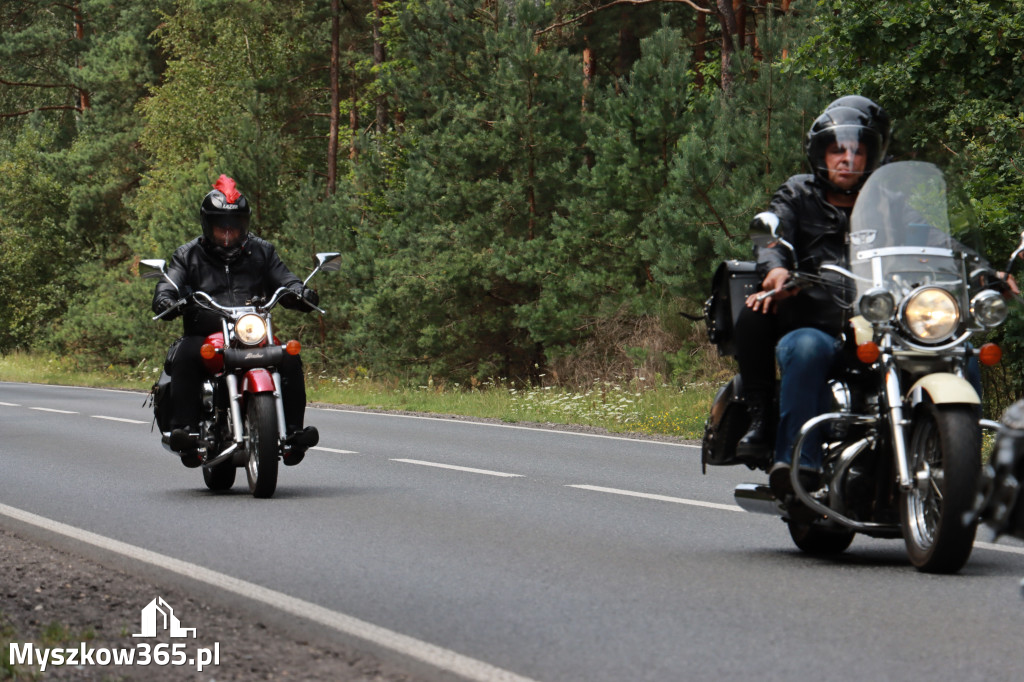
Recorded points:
(306,297)
(165,304)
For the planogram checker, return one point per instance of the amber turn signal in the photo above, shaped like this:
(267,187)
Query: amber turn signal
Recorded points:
(208,351)
(868,352)
(990,354)
(293,347)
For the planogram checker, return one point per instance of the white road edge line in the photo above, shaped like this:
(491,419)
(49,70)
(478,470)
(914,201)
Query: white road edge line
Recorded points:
(50,409)
(339,452)
(435,656)
(458,468)
(659,498)
(117,419)
(449,420)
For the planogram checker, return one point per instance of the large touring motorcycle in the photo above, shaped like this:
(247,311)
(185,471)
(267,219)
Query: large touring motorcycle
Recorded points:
(902,445)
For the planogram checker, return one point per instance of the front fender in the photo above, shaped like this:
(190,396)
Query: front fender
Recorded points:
(258,380)
(943,388)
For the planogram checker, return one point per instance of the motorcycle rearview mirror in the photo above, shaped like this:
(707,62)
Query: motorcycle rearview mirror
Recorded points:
(155,268)
(329,261)
(764,231)
(765,222)
(1017,252)
(151,268)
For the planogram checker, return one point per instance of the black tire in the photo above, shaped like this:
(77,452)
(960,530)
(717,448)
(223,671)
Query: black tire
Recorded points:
(819,541)
(261,444)
(945,461)
(220,477)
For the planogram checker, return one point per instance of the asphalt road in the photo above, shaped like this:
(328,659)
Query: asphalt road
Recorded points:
(535,553)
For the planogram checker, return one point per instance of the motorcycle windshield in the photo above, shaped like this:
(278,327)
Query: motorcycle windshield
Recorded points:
(899,234)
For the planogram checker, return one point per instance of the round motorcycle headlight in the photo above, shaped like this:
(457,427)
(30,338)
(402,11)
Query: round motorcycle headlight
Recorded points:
(251,329)
(931,314)
(877,305)
(989,309)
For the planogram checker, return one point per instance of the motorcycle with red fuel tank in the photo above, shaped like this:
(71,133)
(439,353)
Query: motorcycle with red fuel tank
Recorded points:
(242,420)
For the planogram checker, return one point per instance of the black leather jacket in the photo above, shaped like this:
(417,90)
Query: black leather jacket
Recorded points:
(818,231)
(257,272)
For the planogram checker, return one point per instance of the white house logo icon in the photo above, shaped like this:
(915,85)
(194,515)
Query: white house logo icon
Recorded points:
(159,614)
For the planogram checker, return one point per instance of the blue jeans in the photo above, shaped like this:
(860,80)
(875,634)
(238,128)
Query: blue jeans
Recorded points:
(806,358)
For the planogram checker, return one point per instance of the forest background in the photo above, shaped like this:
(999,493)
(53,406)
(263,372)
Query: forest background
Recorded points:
(527,193)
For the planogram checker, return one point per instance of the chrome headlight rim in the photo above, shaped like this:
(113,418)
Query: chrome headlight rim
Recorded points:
(877,305)
(251,329)
(931,315)
(989,309)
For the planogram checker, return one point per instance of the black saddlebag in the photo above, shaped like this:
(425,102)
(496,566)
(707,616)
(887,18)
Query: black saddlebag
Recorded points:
(160,394)
(733,281)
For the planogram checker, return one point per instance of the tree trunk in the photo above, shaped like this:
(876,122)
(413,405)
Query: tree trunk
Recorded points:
(378,61)
(727,19)
(353,123)
(700,53)
(332,141)
(589,63)
(83,95)
(588,73)
(739,8)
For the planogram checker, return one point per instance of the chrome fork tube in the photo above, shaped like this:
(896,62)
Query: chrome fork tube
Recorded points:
(279,405)
(894,399)
(235,405)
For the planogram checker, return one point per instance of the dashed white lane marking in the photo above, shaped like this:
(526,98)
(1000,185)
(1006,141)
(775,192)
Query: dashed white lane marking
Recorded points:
(50,409)
(659,498)
(339,452)
(10,405)
(471,470)
(118,419)
(438,657)
(999,548)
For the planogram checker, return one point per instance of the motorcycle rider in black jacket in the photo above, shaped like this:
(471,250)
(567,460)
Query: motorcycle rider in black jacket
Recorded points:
(234,267)
(801,327)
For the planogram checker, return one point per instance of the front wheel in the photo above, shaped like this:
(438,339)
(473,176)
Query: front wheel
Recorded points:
(945,459)
(261,444)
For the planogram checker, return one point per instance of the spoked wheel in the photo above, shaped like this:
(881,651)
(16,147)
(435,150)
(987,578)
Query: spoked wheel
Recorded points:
(945,460)
(261,445)
(817,540)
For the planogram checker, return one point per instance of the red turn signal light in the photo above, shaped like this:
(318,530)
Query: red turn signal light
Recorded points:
(990,354)
(208,351)
(868,352)
(293,347)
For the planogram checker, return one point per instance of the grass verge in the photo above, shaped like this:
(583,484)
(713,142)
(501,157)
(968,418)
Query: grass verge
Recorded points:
(636,406)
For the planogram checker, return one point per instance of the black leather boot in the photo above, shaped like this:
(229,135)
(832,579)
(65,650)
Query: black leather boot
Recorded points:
(756,444)
(300,441)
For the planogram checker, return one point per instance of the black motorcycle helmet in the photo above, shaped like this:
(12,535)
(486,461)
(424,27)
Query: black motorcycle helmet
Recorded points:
(848,119)
(868,108)
(227,208)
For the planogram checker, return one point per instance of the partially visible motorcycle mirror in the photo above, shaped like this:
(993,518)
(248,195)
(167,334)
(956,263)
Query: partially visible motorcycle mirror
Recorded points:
(329,261)
(1013,256)
(765,222)
(152,268)
(764,231)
